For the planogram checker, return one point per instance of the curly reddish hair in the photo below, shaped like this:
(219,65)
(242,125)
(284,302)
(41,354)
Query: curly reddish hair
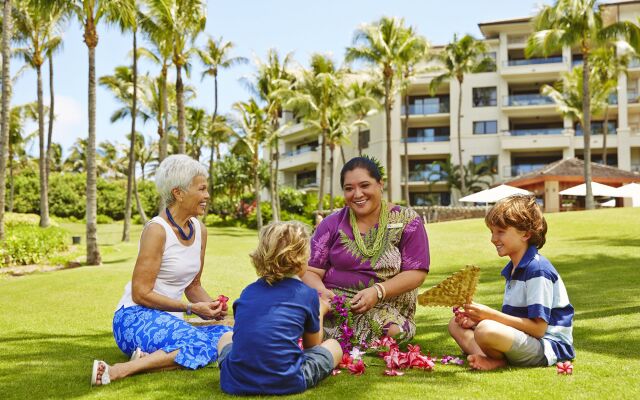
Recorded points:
(521,212)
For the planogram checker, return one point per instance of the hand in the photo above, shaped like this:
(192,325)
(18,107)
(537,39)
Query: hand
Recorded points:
(478,312)
(364,300)
(207,309)
(326,294)
(464,322)
(324,306)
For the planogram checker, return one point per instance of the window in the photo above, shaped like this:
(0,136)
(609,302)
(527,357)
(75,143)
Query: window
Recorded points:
(485,127)
(305,179)
(486,164)
(363,139)
(435,134)
(597,128)
(485,96)
(425,199)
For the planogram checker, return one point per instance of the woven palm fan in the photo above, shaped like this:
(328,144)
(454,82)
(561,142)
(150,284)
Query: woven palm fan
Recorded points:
(456,290)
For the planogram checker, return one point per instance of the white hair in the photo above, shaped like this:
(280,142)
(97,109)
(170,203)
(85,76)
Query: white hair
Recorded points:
(177,171)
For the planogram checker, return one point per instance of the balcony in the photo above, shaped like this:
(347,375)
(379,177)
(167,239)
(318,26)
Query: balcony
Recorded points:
(425,139)
(431,174)
(300,158)
(517,170)
(535,131)
(533,61)
(521,105)
(533,69)
(428,109)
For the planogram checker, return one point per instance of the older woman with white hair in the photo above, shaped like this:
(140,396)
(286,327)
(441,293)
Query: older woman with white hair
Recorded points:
(148,325)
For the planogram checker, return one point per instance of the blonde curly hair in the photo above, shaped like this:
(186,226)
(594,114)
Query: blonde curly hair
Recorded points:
(521,212)
(283,250)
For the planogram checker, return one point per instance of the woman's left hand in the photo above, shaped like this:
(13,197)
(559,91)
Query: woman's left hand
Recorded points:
(364,300)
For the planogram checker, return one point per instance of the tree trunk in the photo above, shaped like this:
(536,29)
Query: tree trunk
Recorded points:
(323,161)
(6,104)
(11,186)
(359,142)
(405,137)
(164,138)
(256,185)
(605,132)
(586,129)
(272,185)
(132,146)
(332,148)
(387,112)
(51,118)
(463,184)
(212,143)
(275,178)
(42,160)
(182,138)
(344,161)
(93,252)
(143,215)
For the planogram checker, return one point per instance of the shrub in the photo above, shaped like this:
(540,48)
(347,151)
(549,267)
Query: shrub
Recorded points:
(29,244)
(104,219)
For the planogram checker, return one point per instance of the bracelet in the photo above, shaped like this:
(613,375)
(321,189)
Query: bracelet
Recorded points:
(384,291)
(379,292)
(189,305)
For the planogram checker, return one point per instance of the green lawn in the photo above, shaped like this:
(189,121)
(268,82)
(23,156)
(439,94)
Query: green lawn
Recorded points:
(53,325)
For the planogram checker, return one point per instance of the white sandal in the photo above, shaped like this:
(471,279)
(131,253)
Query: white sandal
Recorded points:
(105,379)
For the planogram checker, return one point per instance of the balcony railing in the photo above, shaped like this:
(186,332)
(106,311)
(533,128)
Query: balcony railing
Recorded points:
(301,150)
(533,61)
(633,96)
(426,139)
(634,63)
(427,176)
(536,131)
(519,100)
(597,131)
(635,167)
(427,109)
(521,169)
(306,183)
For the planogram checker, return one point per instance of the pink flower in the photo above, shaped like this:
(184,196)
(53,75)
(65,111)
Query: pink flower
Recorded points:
(335,372)
(423,362)
(300,344)
(223,300)
(391,360)
(564,368)
(393,372)
(345,362)
(357,368)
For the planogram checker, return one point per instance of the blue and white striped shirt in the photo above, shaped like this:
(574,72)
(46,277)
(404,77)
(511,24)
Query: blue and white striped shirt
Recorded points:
(535,290)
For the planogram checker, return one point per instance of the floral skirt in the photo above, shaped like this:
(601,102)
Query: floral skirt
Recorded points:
(374,323)
(153,330)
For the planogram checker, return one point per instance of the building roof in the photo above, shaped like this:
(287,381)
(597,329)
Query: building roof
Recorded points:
(574,168)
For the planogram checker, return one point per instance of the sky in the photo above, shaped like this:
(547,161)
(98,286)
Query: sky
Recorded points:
(254,26)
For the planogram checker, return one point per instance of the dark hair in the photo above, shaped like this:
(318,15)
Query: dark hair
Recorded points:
(521,212)
(361,162)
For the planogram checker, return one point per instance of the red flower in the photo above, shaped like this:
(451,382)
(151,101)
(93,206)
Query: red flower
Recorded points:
(223,299)
(346,361)
(423,362)
(357,368)
(564,368)
(300,344)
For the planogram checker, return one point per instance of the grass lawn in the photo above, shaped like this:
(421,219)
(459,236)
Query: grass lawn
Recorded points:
(54,324)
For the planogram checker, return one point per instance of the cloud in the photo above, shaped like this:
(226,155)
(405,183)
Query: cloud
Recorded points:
(70,123)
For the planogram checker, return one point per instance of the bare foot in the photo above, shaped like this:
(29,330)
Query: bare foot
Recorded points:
(100,372)
(484,363)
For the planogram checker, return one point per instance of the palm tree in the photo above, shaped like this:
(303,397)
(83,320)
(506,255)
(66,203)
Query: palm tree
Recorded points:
(76,160)
(255,125)
(272,76)
(607,68)
(408,70)
(363,97)
(7,30)
(90,13)
(578,23)
(160,55)
(146,150)
(384,44)
(108,157)
(198,123)
(16,146)
(182,21)
(215,57)
(462,56)
(315,95)
(36,30)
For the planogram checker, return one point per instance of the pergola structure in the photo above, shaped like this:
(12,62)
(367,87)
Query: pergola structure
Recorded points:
(548,181)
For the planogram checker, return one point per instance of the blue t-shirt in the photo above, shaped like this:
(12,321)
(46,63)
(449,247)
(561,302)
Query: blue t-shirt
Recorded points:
(269,320)
(535,290)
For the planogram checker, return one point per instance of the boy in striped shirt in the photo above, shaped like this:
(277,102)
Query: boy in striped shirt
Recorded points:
(535,325)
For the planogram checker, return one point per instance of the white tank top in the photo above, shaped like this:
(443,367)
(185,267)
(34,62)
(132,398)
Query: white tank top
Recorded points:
(180,265)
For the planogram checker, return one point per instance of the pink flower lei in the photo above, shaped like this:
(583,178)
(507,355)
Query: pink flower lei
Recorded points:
(344,321)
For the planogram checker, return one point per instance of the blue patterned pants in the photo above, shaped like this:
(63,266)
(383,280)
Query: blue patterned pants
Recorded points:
(153,330)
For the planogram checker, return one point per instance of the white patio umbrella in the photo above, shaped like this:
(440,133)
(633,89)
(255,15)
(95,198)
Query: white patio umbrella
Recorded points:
(631,190)
(494,194)
(598,189)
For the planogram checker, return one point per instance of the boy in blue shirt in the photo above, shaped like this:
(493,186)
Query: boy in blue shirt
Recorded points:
(535,325)
(262,356)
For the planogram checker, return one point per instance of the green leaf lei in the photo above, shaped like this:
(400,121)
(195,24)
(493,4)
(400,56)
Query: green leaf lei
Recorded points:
(379,240)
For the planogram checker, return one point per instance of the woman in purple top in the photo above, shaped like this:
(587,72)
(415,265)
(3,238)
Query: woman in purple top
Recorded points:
(379,269)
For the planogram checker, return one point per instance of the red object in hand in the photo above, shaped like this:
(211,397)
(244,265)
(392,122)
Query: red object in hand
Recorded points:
(564,368)
(223,299)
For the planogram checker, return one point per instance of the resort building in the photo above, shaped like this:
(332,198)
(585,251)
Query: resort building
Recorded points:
(504,119)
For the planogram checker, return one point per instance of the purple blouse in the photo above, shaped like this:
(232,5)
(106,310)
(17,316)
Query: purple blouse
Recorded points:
(407,248)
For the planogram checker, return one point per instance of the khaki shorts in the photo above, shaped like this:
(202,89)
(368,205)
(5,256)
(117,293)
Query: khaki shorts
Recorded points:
(526,351)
